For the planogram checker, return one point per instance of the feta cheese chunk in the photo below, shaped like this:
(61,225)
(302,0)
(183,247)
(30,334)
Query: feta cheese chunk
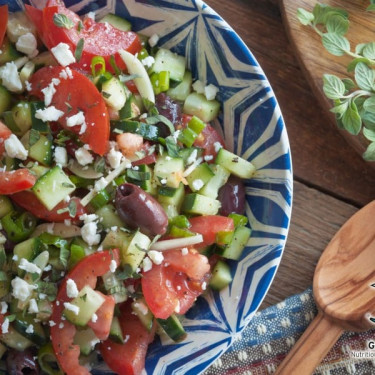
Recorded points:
(153,41)
(14,148)
(210,92)
(29,267)
(89,235)
(198,87)
(146,264)
(114,158)
(71,289)
(33,307)
(83,156)
(156,256)
(48,114)
(21,289)
(27,44)
(10,77)
(113,266)
(63,54)
(61,156)
(71,307)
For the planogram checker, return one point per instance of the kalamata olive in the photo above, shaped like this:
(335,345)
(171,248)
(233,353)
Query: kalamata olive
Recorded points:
(21,363)
(138,209)
(169,109)
(232,197)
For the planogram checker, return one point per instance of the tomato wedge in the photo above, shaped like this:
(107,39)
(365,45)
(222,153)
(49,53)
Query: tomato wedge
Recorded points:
(208,226)
(174,285)
(3,22)
(16,181)
(128,358)
(69,99)
(5,133)
(84,273)
(28,201)
(36,17)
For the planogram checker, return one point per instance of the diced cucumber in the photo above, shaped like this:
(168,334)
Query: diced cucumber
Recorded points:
(15,340)
(114,93)
(116,239)
(114,287)
(86,340)
(235,164)
(200,205)
(8,52)
(131,109)
(211,189)
(171,196)
(108,217)
(169,169)
(235,248)
(27,71)
(117,22)
(38,170)
(5,206)
(19,24)
(136,251)
(22,117)
(36,334)
(144,314)
(88,302)
(141,177)
(183,89)
(4,281)
(149,132)
(199,177)
(166,60)
(41,151)
(45,310)
(44,59)
(28,249)
(197,105)
(221,276)
(173,328)
(53,187)
(115,332)
(186,152)
(9,122)
(5,99)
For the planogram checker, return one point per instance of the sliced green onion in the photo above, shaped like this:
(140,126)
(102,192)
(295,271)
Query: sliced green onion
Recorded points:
(142,54)
(180,221)
(164,79)
(180,232)
(81,182)
(196,124)
(47,360)
(100,200)
(114,66)
(224,237)
(18,226)
(97,61)
(76,254)
(155,83)
(239,220)
(120,180)
(187,137)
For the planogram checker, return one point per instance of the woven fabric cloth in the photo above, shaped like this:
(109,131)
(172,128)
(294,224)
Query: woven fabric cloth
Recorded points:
(272,333)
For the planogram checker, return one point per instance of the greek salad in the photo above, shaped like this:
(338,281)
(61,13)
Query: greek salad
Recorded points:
(119,203)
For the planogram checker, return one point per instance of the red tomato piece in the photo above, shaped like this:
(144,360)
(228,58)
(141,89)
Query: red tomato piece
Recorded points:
(69,99)
(36,17)
(174,285)
(102,325)
(3,22)
(129,143)
(128,358)
(208,226)
(5,133)
(16,181)
(84,273)
(99,39)
(28,201)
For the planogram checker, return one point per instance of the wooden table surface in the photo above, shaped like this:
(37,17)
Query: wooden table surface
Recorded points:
(331,181)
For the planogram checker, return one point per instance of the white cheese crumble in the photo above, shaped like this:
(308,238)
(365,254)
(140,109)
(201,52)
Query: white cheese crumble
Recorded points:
(199,87)
(4,307)
(21,289)
(28,86)
(48,92)
(88,218)
(14,148)
(51,323)
(113,266)
(148,61)
(146,264)
(10,77)
(192,157)
(217,146)
(89,235)
(69,306)
(184,251)
(63,54)
(71,288)
(29,267)
(83,156)
(61,156)
(33,306)
(27,44)
(210,92)
(139,305)
(156,256)
(94,318)
(30,329)
(49,114)
(5,326)
(208,157)
(197,184)
(77,119)
(100,184)
(114,158)
(91,15)
(153,41)
(204,285)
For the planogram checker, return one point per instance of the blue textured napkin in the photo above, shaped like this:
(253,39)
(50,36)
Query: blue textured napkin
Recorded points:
(272,333)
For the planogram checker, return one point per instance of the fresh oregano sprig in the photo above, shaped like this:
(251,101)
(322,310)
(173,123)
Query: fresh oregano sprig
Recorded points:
(353,97)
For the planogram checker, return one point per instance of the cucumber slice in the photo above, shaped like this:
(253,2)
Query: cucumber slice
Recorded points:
(39,170)
(172,197)
(235,164)
(41,151)
(221,276)
(53,187)
(200,205)
(15,340)
(115,93)
(28,249)
(200,176)
(117,22)
(183,89)
(22,117)
(86,340)
(116,239)
(108,217)
(5,99)
(131,109)
(235,248)
(166,60)
(8,52)
(136,251)
(27,71)
(169,169)
(115,332)
(144,314)
(173,328)
(211,189)
(197,105)
(23,322)
(5,206)
(88,302)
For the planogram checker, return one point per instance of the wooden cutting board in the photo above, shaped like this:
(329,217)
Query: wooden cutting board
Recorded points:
(315,60)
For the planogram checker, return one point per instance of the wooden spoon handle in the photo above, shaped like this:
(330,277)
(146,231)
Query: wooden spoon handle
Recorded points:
(311,348)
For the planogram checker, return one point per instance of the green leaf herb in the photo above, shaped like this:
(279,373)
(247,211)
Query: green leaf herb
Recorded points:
(79,49)
(61,20)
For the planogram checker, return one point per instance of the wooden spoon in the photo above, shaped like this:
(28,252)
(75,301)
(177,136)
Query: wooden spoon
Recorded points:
(342,290)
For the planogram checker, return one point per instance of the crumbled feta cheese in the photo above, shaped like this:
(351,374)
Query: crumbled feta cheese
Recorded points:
(89,235)
(61,325)
(10,77)
(51,323)
(146,264)
(156,256)
(69,306)
(83,156)
(42,296)
(204,285)
(29,267)
(148,61)
(208,157)
(163,181)
(71,289)
(48,92)
(27,44)
(210,92)
(184,251)
(217,146)
(113,266)
(61,156)
(192,157)
(114,158)
(33,307)
(198,87)
(21,289)
(63,54)
(88,218)
(47,268)
(177,308)
(139,305)
(5,326)
(30,329)
(4,307)
(100,184)
(153,40)
(14,148)
(197,184)
(94,318)
(91,15)
(77,119)
(28,86)
(48,114)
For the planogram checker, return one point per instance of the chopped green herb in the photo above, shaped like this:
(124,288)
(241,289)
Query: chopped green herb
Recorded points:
(61,20)
(79,49)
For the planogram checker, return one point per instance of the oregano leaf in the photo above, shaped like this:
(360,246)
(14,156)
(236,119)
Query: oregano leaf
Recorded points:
(335,44)
(340,108)
(337,24)
(305,17)
(369,134)
(351,66)
(352,120)
(369,154)
(333,87)
(364,76)
(369,104)
(61,20)
(369,50)
(348,83)
(359,48)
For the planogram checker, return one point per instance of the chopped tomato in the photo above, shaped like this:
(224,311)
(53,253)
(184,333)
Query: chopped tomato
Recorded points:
(84,273)
(100,39)
(3,22)
(28,201)
(5,133)
(69,99)
(128,358)
(132,86)
(129,143)
(102,325)
(149,158)
(36,17)
(16,181)
(174,285)
(208,226)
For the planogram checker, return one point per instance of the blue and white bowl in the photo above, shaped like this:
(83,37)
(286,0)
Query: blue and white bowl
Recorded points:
(253,128)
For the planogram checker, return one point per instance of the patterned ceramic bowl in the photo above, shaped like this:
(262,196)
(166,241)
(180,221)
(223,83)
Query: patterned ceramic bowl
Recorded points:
(253,128)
